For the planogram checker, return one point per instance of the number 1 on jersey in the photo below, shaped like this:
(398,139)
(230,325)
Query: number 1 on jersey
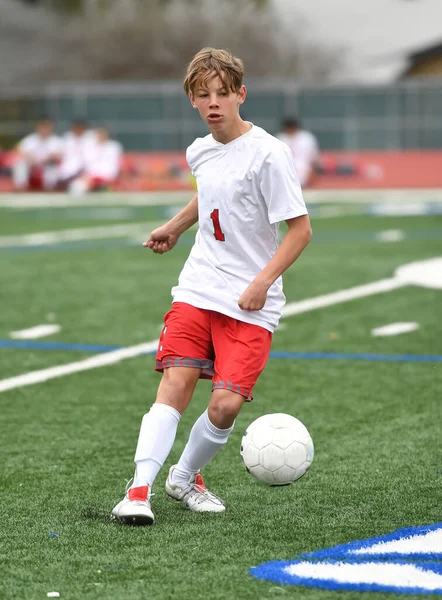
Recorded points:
(219,235)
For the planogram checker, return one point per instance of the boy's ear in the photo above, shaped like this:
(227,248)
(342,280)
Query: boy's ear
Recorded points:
(192,99)
(242,93)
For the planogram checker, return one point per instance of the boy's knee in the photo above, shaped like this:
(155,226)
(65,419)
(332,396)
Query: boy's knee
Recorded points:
(181,378)
(176,387)
(224,407)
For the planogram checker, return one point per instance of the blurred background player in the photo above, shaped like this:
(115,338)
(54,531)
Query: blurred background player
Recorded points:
(78,147)
(304,147)
(103,164)
(38,156)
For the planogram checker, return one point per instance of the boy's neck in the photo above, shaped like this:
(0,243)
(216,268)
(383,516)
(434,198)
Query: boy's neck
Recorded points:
(238,129)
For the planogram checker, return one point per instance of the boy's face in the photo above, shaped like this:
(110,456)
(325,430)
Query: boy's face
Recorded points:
(78,129)
(102,134)
(291,129)
(44,129)
(217,105)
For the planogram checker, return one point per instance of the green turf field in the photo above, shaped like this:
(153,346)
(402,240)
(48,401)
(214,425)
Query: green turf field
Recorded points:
(67,444)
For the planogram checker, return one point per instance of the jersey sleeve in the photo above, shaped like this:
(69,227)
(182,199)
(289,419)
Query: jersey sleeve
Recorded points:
(113,165)
(196,152)
(316,154)
(26,144)
(312,148)
(57,145)
(280,187)
(188,160)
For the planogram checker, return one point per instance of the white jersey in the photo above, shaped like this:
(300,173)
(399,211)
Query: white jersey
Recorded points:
(37,149)
(305,151)
(245,189)
(76,151)
(105,160)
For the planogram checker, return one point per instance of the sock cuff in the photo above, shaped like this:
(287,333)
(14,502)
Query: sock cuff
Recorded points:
(159,408)
(219,433)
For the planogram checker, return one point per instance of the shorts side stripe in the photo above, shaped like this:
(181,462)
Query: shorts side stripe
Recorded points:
(223,385)
(197,363)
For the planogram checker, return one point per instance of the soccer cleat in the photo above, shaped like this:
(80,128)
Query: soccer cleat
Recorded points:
(194,494)
(135,508)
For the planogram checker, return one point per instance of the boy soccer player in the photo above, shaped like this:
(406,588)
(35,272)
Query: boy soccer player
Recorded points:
(304,147)
(38,156)
(229,296)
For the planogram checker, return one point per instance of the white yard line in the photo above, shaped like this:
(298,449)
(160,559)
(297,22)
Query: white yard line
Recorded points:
(156,198)
(390,235)
(373,196)
(45,238)
(99,360)
(394,329)
(108,358)
(426,273)
(36,332)
(360,291)
(105,199)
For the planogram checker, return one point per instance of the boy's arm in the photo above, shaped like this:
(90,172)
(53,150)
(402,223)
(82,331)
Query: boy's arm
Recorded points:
(165,237)
(187,217)
(295,240)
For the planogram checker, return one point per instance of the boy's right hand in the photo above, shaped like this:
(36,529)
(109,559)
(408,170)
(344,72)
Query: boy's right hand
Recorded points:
(161,240)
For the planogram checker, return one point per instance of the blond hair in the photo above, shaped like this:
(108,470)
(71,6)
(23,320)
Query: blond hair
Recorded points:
(210,62)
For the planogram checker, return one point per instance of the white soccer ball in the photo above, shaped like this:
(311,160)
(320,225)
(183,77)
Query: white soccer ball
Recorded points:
(277,449)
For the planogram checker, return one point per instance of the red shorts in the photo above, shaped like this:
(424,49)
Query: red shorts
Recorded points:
(229,352)
(35,182)
(98,182)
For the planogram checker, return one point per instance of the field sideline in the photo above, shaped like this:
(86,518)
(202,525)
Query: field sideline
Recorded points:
(68,443)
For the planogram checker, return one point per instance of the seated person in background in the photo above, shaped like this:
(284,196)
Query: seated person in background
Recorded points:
(38,156)
(4,170)
(78,145)
(304,147)
(102,166)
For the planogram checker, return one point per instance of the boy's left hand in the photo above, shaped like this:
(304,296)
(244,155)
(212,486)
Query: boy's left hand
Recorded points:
(254,297)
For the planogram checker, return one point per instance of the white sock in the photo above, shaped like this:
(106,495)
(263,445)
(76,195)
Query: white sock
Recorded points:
(157,435)
(50,177)
(205,441)
(78,186)
(20,174)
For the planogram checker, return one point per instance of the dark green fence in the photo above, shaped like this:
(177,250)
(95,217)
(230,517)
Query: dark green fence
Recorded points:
(158,116)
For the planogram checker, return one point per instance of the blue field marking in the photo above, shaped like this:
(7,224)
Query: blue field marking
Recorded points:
(277,572)
(128,241)
(73,246)
(30,345)
(358,356)
(325,569)
(357,547)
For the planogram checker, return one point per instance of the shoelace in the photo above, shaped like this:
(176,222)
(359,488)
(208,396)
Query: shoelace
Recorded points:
(129,485)
(194,489)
